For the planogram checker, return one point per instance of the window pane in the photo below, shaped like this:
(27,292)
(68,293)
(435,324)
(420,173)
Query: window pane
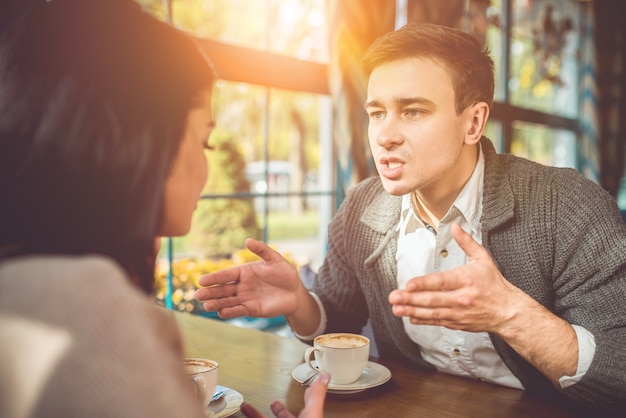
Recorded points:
(493,131)
(494,40)
(290,27)
(275,126)
(156,7)
(296,234)
(544,55)
(271,146)
(621,195)
(540,143)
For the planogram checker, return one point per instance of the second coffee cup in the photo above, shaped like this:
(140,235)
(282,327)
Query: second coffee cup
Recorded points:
(343,355)
(204,375)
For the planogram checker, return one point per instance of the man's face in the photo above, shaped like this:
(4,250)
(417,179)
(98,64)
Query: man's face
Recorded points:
(416,137)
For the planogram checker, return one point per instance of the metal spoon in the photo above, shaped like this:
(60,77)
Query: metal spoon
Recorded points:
(310,379)
(217,395)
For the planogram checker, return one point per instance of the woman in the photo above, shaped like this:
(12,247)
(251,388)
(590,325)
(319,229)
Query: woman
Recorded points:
(105,113)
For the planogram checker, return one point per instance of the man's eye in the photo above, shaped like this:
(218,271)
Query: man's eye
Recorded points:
(208,147)
(413,112)
(377,115)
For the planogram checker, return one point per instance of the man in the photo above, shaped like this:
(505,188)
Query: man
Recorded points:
(496,268)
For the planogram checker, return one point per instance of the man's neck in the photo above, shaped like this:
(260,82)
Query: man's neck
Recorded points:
(424,213)
(435,200)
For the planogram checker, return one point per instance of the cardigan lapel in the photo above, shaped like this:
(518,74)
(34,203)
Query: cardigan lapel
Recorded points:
(382,216)
(498,200)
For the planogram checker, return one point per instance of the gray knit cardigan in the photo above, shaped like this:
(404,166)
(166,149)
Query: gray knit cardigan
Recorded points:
(552,233)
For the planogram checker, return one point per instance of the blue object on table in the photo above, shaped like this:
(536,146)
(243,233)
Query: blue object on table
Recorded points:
(249,322)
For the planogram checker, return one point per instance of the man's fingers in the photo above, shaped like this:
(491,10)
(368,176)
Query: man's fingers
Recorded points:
(216,291)
(263,250)
(229,275)
(466,242)
(234,312)
(213,305)
(234,274)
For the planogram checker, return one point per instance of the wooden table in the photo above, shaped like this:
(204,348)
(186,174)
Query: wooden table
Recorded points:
(258,365)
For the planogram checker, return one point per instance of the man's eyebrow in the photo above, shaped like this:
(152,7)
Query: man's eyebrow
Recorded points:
(372,103)
(403,101)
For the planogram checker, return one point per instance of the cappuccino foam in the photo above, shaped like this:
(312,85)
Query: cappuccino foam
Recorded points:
(342,341)
(195,367)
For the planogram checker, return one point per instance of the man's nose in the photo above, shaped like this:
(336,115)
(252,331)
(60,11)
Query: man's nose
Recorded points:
(389,133)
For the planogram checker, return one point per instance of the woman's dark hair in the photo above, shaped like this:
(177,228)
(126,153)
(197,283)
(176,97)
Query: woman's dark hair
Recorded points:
(94,96)
(470,67)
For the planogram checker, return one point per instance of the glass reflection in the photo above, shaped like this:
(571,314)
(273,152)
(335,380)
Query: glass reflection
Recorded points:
(542,144)
(295,28)
(544,55)
(495,41)
(493,131)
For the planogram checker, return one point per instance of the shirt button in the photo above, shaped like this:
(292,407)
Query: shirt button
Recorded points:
(444,253)
(456,352)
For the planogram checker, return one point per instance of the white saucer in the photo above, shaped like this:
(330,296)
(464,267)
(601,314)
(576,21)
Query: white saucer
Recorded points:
(227,405)
(375,374)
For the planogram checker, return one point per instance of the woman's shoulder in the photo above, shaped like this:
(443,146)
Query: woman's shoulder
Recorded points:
(66,285)
(84,296)
(63,272)
(100,324)
(60,265)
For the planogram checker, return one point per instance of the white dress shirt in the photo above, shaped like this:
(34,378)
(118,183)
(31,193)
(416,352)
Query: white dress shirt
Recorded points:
(421,251)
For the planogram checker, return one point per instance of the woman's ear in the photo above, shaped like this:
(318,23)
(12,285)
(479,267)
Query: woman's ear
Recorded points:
(477,115)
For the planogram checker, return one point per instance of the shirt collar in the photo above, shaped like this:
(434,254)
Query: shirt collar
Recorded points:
(469,201)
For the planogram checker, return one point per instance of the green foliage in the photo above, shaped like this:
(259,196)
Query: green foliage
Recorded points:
(221,225)
(282,26)
(289,226)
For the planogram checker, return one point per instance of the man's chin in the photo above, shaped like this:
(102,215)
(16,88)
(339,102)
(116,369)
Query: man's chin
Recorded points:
(394,188)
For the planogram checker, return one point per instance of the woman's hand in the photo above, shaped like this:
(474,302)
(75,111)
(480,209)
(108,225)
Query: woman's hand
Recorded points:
(313,402)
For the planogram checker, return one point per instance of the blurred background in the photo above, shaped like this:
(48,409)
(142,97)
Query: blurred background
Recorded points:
(291,135)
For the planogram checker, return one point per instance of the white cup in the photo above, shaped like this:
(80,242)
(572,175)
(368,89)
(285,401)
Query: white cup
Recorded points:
(342,355)
(203,373)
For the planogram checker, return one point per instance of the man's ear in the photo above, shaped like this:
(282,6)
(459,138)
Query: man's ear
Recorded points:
(477,115)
